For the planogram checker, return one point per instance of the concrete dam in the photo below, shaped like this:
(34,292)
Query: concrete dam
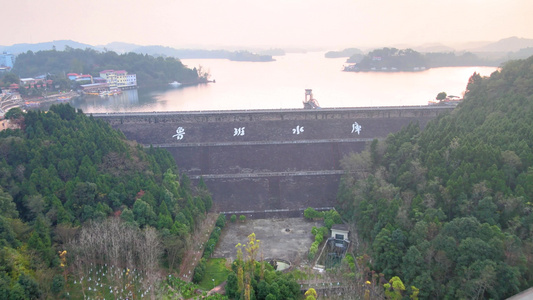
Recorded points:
(267,161)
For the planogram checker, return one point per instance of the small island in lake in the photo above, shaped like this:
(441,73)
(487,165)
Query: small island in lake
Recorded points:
(409,60)
(389,60)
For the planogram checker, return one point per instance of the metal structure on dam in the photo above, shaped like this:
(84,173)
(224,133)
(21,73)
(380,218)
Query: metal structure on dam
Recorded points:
(267,160)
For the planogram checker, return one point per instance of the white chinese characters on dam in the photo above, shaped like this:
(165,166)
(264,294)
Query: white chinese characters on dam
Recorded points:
(238,131)
(299,129)
(180,132)
(356,128)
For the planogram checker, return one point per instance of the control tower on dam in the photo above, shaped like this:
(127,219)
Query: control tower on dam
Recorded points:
(267,160)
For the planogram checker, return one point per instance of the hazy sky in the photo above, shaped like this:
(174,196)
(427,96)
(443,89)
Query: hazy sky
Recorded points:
(266,23)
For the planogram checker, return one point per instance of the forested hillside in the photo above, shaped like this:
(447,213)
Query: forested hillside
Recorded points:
(449,209)
(150,70)
(392,59)
(61,176)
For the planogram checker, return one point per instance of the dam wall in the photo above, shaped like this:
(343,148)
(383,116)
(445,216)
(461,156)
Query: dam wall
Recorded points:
(262,160)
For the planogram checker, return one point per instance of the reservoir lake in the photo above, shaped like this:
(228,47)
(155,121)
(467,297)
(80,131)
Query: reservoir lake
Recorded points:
(281,84)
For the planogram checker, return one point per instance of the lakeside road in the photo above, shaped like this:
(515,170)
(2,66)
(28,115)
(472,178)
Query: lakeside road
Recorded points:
(60,97)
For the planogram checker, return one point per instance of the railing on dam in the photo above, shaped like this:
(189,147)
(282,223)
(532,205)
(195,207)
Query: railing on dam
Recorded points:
(298,110)
(268,174)
(273,213)
(271,114)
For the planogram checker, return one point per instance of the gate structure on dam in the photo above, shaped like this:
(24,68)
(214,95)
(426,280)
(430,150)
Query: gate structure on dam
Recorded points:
(267,160)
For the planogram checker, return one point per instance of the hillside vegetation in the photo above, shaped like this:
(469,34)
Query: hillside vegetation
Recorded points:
(150,70)
(70,182)
(449,209)
(395,60)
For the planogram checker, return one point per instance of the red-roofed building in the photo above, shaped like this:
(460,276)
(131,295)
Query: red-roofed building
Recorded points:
(85,77)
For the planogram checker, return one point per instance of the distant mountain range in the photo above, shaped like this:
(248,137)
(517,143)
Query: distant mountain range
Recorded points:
(59,46)
(511,44)
(154,50)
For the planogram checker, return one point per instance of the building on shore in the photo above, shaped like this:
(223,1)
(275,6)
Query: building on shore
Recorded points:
(35,82)
(94,88)
(119,79)
(80,77)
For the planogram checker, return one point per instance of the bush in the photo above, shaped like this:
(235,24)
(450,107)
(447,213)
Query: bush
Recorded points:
(233,218)
(214,237)
(57,284)
(242,218)
(328,223)
(221,221)
(350,261)
(311,213)
(314,230)
(320,234)
(313,250)
(319,238)
(332,217)
(199,271)
(324,231)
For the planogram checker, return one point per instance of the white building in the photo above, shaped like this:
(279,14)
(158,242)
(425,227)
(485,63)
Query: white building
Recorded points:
(119,79)
(340,232)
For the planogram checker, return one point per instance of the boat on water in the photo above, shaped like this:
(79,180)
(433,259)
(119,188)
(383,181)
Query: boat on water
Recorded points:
(174,84)
(110,93)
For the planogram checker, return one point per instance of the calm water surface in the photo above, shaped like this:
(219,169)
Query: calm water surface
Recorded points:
(281,84)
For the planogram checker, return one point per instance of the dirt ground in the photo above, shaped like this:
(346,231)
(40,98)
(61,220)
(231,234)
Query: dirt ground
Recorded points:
(287,239)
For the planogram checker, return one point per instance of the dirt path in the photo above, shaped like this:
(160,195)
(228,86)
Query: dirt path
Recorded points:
(194,252)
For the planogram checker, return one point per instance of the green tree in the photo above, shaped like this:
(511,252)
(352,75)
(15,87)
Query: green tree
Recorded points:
(144,213)
(10,78)
(29,286)
(232,286)
(40,239)
(13,113)
(389,256)
(57,284)
(310,294)
(395,288)
(221,221)
(441,96)
(412,264)
(8,208)
(128,216)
